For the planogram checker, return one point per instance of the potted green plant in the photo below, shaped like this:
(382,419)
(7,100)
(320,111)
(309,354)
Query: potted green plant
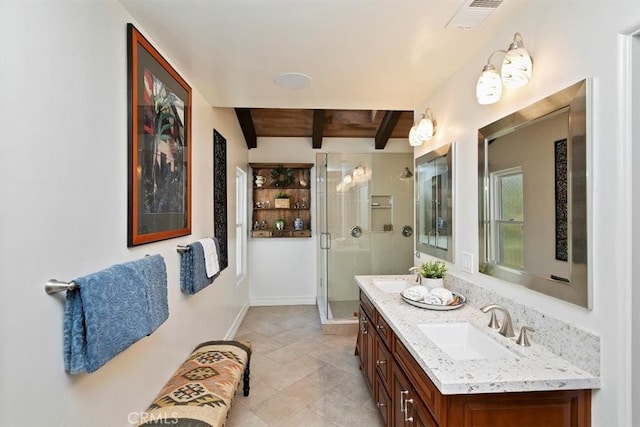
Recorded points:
(282,200)
(433,273)
(279,224)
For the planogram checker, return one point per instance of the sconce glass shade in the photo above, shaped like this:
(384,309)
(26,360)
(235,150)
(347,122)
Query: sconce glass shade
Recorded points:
(426,126)
(517,64)
(423,130)
(517,67)
(414,141)
(489,86)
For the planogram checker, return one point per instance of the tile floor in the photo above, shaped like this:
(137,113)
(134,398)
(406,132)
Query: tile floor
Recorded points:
(299,376)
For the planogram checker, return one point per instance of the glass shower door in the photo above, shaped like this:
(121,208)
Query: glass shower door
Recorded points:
(364,204)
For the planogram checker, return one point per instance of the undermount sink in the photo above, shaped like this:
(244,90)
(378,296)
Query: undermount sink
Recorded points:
(464,341)
(392,286)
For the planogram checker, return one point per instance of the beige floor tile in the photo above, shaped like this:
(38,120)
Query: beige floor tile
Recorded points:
(259,392)
(291,372)
(278,408)
(299,376)
(292,351)
(345,412)
(307,418)
(241,416)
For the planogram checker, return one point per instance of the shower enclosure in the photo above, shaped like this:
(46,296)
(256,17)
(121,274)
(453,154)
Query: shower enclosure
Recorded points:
(365,206)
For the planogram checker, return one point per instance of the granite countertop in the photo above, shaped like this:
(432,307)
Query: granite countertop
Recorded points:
(534,368)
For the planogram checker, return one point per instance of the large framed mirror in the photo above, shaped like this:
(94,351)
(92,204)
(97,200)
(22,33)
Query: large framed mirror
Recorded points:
(534,196)
(434,202)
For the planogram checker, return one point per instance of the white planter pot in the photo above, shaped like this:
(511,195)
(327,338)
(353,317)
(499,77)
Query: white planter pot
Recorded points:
(432,283)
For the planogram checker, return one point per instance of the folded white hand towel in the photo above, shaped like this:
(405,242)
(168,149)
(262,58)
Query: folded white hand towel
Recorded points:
(415,293)
(432,299)
(210,256)
(445,295)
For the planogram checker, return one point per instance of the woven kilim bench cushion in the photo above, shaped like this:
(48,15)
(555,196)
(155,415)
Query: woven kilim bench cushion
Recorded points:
(200,392)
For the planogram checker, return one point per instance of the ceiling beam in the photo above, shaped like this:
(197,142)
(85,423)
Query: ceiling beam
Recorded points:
(318,128)
(388,124)
(248,129)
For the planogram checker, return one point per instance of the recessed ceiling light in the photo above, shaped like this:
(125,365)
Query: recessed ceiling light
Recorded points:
(292,80)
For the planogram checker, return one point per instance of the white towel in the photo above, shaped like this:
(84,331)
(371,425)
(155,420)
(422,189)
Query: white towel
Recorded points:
(415,293)
(445,295)
(211,263)
(433,300)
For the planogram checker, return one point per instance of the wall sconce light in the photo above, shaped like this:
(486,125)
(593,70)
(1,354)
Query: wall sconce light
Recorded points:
(515,72)
(517,64)
(423,130)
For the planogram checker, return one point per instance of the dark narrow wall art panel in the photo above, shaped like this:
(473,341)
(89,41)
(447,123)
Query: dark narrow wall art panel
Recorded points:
(220,196)
(562,250)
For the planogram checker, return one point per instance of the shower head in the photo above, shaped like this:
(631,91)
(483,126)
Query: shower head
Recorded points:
(405,174)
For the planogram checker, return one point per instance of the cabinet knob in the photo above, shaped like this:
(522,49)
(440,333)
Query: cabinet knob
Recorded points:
(380,404)
(381,362)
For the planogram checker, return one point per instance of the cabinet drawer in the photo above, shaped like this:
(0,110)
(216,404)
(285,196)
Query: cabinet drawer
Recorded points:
(260,233)
(367,305)
(383,330)
(423,385)
(301,233)
(384,362)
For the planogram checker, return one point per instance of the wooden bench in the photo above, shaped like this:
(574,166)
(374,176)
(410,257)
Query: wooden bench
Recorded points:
(200,392)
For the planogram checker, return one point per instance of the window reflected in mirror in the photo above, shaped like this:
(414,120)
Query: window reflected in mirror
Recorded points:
(434,205)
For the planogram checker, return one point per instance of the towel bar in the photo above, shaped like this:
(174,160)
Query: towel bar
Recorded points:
(53,286)
(181,248)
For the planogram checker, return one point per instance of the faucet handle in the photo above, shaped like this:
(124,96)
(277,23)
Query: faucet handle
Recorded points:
(493,322)
(523,339)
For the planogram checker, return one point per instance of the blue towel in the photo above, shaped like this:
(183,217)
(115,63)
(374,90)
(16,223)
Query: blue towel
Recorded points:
(193,272)
(155,274)
(111,310)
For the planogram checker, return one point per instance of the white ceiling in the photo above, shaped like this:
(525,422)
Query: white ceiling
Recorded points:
(360,54)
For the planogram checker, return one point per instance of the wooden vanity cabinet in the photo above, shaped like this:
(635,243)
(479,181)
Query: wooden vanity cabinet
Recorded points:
(406,396)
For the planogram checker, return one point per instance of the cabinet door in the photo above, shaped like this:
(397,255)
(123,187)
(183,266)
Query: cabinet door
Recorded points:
(383,402)
(366,346)
(407,409)
(418,413)
(384,360)
(400,390)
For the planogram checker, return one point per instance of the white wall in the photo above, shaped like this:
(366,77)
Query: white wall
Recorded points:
(284,270)
(63,187)
(569,41)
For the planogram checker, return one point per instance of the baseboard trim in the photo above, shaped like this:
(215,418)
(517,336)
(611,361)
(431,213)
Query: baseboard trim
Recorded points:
(233,331)
(283,301)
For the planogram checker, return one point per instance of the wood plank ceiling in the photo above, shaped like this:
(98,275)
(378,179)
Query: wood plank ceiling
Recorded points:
(317,124)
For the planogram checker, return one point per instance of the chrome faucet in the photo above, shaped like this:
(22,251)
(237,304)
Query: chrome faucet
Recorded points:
(416,269)
(507,325)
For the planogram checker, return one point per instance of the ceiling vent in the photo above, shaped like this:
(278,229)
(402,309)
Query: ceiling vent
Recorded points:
(472,15)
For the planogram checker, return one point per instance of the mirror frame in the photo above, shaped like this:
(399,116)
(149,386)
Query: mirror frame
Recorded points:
(448,151)
(576,99)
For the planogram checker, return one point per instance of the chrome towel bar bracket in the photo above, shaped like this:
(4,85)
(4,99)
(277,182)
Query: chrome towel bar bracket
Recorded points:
(54,286)
(181,248)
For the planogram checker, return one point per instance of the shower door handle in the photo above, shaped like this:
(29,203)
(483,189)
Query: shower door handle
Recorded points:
(327,241)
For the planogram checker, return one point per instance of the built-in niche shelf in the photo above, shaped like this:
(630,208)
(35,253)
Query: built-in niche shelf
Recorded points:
(381,213)
(292,179)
